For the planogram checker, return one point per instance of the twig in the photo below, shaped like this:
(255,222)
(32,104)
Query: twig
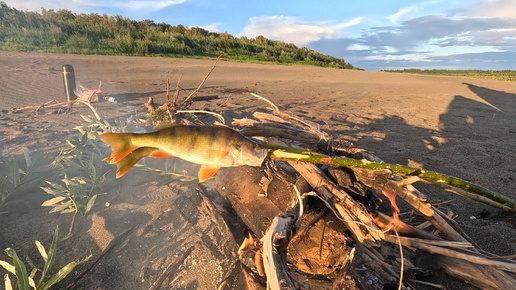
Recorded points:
(41,106)
(266,100)
(223,103)
(401,257)
(202,83)
(58,105)
(204,98)
(168,90)
(466,194)
(176,93)
(91,107)
(47,103)
(438,286)
(470,257)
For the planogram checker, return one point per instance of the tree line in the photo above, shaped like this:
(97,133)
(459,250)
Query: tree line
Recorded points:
(502,75)
(66,32)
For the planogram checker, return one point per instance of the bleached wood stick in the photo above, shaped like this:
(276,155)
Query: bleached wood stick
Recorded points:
(275,244)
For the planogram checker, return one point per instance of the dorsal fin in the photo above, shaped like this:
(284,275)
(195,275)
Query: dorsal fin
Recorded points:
(165,125)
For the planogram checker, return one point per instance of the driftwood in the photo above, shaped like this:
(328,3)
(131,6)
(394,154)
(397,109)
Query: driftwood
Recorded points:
(274,254)
(55,103)
(455,252)
(284,129)
(173,106)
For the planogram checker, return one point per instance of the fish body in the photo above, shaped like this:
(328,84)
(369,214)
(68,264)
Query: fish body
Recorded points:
(210,146)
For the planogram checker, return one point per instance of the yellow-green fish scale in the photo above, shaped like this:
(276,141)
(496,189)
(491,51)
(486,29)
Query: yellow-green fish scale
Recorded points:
(196,144)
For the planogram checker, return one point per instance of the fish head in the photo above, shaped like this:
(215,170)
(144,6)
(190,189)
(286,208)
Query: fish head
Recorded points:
(247,153)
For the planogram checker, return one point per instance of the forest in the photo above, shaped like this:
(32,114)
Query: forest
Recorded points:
(62,31)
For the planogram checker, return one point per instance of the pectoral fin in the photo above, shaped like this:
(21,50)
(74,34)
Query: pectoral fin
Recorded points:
(207,172)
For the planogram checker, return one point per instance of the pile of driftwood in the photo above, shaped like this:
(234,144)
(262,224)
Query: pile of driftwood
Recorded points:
(370,237)
(351,194)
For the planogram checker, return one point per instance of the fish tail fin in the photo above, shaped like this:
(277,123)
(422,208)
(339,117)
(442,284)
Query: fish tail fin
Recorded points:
(121,145)
(131,159)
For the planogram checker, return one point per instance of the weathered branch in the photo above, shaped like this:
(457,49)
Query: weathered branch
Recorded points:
(293,154)
(275,243)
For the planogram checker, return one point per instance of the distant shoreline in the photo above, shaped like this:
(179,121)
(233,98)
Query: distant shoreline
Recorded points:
(500,75)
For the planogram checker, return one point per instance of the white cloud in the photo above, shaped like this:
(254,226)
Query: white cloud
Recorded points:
(147,6)
(291,29)
(85,6)
(356,46)
(479,35)
(493,9)
(400,14)
(32,5)
(211,27)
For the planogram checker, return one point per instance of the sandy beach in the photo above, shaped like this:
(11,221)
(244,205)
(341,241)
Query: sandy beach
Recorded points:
(463,127)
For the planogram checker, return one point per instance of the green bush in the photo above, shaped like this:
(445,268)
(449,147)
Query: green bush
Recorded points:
(64,31)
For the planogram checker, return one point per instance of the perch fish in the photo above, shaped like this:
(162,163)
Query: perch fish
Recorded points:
(210,146)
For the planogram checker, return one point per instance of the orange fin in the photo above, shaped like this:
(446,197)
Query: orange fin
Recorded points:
(207,172)
(120,144)
(158,153)
(131,159)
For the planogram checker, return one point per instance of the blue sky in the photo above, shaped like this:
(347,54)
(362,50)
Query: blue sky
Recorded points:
(374,34)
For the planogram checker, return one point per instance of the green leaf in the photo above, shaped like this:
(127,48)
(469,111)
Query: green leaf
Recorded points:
(51,191)
(41,250)
(84,139)
(56,186)
(53,201)
(61,207)
(51,254)
(34,268)
(61,274)
(22,277)
(90,204)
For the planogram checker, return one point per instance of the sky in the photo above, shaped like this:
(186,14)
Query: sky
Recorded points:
(373,35)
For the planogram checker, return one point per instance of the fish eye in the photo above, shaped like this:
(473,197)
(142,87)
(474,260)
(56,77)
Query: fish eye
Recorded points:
(238,146)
